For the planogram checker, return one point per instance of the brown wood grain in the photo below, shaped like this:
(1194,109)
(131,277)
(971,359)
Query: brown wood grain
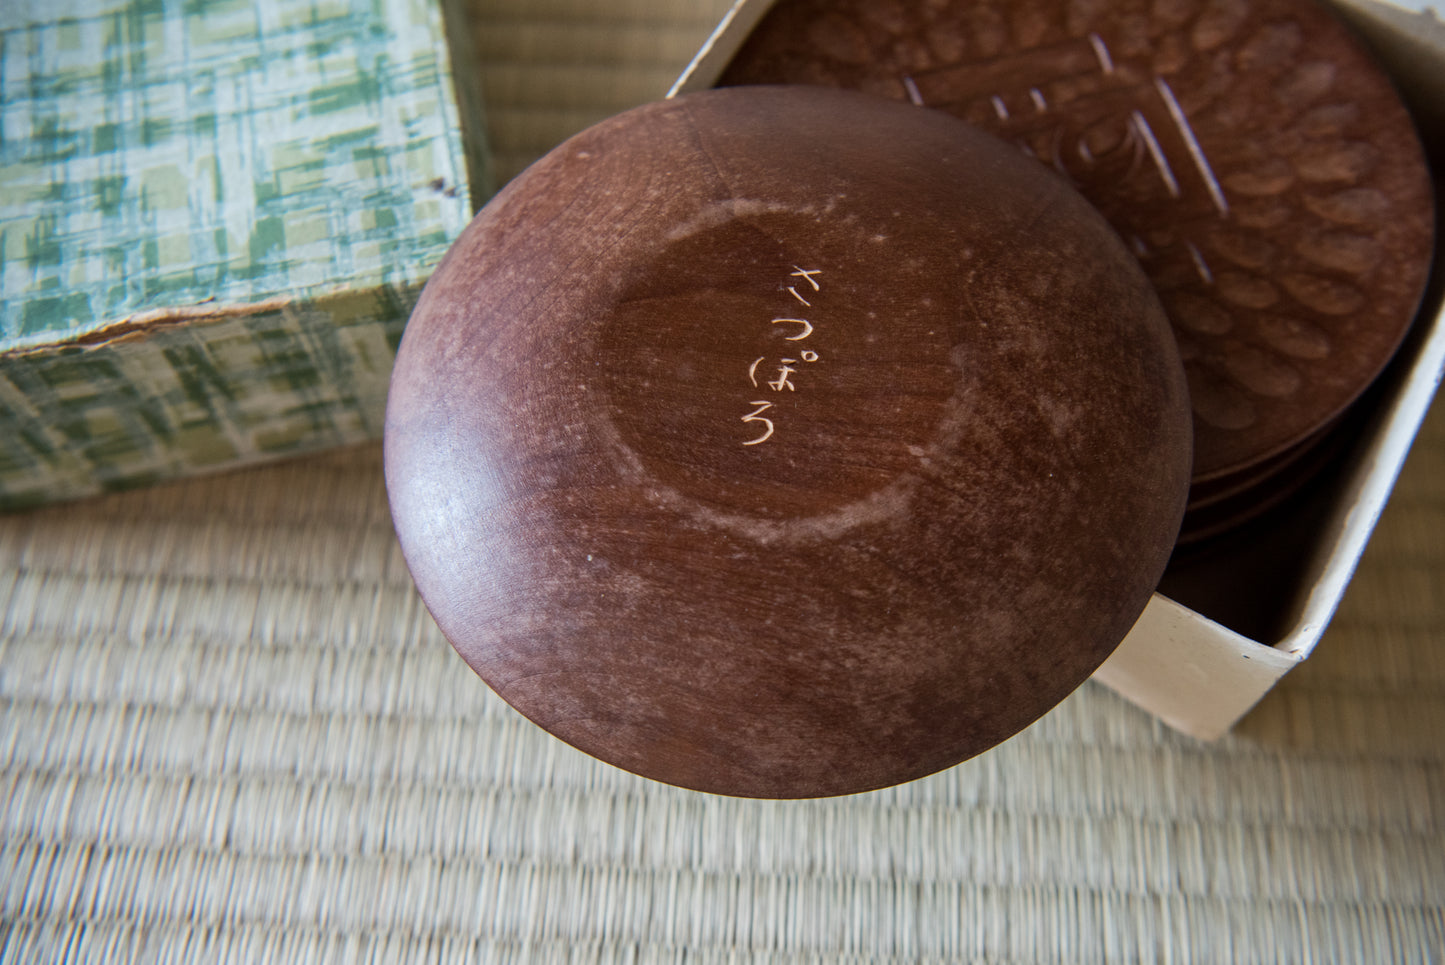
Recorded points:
(786,442)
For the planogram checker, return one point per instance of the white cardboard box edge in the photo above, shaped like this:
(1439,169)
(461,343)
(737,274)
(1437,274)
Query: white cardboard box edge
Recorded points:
(1195,674)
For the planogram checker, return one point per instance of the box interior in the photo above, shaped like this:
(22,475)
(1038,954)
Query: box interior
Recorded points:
(1258,580)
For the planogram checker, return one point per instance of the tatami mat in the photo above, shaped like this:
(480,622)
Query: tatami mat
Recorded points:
(553,67)
(229,732)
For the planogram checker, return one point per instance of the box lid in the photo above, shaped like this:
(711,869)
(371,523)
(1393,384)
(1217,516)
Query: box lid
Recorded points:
(160,158)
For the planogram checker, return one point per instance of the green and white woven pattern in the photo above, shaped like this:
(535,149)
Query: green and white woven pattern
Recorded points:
(166,160)
(215,393)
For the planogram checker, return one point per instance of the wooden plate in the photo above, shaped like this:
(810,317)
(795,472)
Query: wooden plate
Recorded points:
(1249,151)
(786,442)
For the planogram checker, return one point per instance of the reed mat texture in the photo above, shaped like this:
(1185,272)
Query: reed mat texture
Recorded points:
(229,732)
(552,67)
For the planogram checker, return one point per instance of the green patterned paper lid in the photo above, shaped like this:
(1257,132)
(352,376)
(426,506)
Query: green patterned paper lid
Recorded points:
(161,156)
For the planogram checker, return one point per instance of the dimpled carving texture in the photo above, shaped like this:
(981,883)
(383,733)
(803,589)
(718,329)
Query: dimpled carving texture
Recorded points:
(1262,373)
(1201,315)
(1353,206)
(1325,296)
(1258,162)
(1245,291)
(1268,180)
(1349,253)
(1295,338)
(1244,250)
(1344,162)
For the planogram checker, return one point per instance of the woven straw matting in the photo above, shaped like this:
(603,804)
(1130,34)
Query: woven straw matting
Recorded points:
(553,67)
(229,732)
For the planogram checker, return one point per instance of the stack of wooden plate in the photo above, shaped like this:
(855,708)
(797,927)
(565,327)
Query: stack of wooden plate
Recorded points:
(1252,154)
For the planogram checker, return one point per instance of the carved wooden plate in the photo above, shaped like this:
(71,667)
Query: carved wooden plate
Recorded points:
(786,442)
(1249,151)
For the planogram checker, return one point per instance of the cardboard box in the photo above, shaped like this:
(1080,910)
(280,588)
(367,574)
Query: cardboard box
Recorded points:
(1229,623)
(214,221)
